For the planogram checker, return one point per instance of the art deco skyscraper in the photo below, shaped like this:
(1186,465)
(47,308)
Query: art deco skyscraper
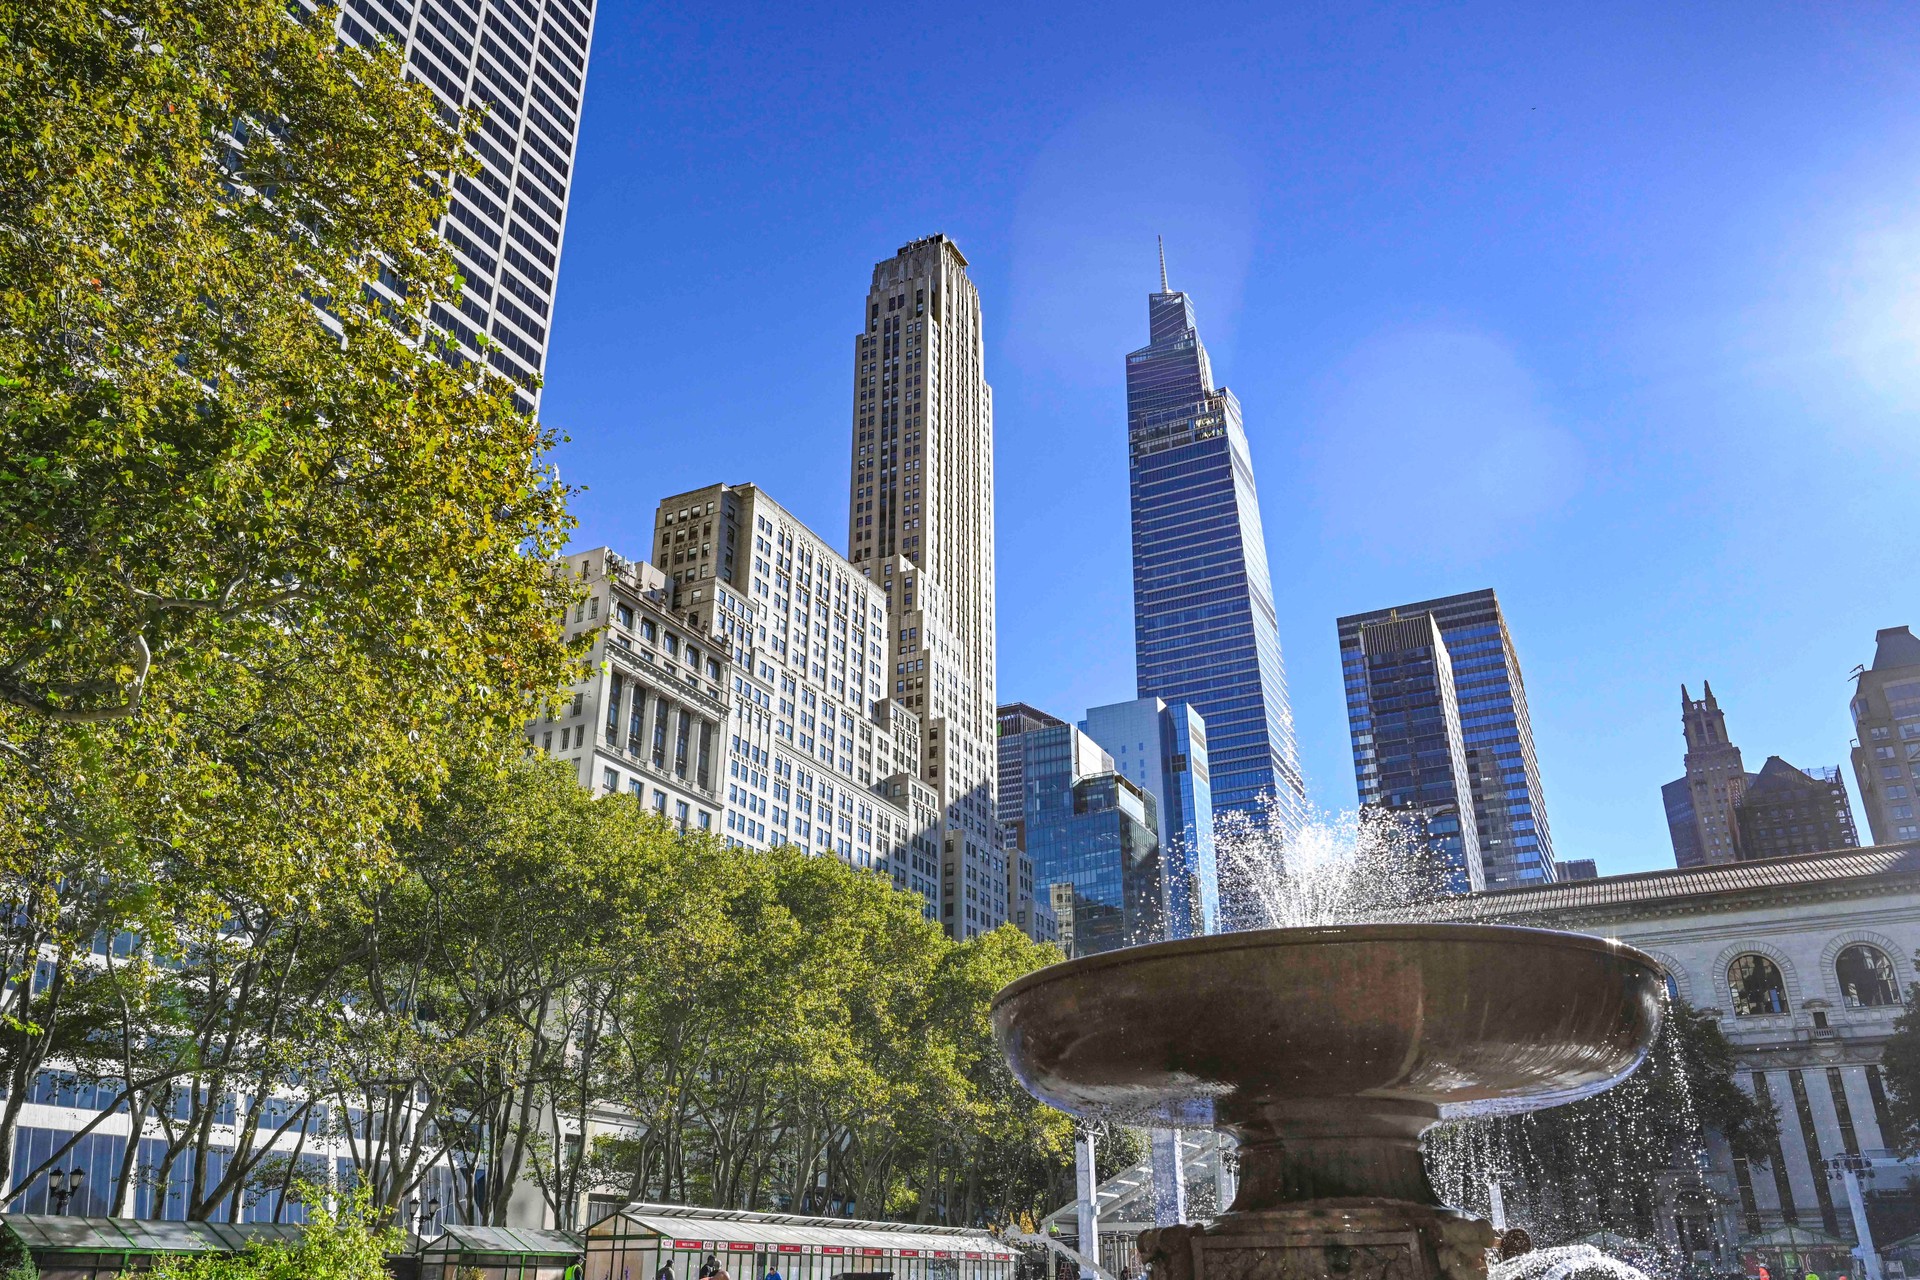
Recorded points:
(526,60)
(1203,620)
(920,525)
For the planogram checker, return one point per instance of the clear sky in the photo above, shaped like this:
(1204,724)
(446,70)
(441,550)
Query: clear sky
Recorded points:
(1613,308)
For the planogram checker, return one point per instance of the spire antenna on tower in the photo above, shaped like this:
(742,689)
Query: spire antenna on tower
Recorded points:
(1163,264)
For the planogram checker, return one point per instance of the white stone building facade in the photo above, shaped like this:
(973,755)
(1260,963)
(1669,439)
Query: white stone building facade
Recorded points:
(1806,962)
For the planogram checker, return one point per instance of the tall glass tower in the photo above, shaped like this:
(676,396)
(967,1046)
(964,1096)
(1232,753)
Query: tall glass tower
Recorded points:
(1203,620)
(1502,773)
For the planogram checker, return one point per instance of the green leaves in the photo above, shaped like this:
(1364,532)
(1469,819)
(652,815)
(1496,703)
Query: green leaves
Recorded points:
(1900,1063)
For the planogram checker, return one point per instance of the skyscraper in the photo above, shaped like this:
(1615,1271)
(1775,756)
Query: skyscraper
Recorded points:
(1164,750)
(1091,832)
(1701,807)
(527,61)
(1409,751)
(1886,748)
(1204,627)
(1503,774)
(920,526)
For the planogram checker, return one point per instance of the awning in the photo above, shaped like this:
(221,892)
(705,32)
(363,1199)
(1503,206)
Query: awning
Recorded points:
(50,1233)
(522,1242)
(724,1231)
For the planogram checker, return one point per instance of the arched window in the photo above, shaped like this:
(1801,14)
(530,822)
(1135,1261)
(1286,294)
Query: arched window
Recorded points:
(1756,986)
(1866,977)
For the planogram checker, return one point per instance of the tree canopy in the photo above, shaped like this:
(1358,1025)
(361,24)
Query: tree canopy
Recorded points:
(267,553)
(1900,1066)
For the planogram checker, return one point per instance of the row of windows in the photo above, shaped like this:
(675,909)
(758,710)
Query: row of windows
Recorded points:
(1865,974)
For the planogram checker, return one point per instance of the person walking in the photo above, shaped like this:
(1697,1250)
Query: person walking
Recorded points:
(773,1271)
(709,1267)
(665,1272)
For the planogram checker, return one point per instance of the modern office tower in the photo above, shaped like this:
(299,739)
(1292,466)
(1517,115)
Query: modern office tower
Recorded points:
(1090,831)
(1204,626)
(1029,907)
(525,60)
(1409,751)
(1164,751)
(1571,869)
(1013,721)
(1787,812)
(1701,806)
(1503,775)
(920,527)
(1886,725)
(814,753)
(651,715)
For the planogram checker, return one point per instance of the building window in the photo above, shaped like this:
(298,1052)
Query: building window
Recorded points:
(1756,986)
(610,781)
(1866,977)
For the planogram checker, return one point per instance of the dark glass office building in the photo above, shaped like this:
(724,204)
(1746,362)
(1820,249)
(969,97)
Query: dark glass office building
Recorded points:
(1204,627)
(1409,754)
(1503,775)
(1091,832)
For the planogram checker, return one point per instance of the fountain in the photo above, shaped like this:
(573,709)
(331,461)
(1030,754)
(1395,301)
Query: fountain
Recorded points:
(1327,1052)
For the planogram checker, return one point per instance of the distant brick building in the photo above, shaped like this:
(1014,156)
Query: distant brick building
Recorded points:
(1787,811)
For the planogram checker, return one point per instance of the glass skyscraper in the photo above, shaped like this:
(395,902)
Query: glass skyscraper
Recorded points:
(1409,751)
(1092,834)
(1164,750)
(1204,626)
(1503,775)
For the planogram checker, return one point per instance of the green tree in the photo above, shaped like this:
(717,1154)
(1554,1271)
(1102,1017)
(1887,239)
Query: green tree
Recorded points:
(261,546)
(474,978)
(344,1244)
(1900,1067)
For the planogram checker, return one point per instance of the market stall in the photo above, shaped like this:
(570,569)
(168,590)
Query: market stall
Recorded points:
(636,1242)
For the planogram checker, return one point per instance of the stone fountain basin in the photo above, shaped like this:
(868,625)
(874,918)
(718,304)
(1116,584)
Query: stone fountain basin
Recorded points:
(1452,1019)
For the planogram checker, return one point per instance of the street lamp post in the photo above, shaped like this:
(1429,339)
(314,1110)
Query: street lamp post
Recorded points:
(1087,1184)
(1848,1169)
(64,1185)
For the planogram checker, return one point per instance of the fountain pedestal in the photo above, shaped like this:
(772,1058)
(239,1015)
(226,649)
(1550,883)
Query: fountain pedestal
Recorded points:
(1358,1239)
(1327,1053)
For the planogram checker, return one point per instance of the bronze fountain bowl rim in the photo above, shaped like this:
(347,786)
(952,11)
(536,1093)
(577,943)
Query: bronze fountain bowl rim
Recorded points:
(1312,935)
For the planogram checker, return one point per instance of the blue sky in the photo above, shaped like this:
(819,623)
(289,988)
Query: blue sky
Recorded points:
(1615,309)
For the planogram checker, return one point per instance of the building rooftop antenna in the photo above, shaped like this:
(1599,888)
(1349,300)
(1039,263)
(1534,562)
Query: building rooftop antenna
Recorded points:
(1163,264)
